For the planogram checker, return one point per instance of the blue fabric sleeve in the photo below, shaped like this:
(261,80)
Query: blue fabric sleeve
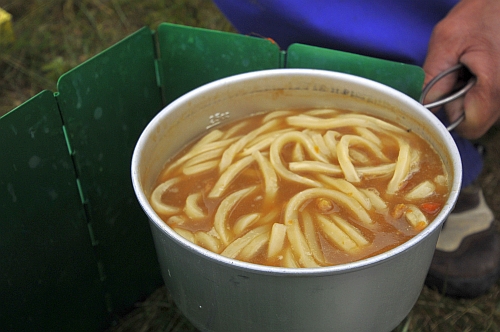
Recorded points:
(397,30)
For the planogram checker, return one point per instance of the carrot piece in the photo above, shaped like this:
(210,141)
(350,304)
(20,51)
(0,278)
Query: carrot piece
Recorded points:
(430,207)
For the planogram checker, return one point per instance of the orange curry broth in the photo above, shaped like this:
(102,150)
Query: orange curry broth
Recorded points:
(389,230)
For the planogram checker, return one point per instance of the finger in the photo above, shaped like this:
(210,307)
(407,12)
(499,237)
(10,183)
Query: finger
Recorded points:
(443,53)
(440,89)
(481,102)
(464,82)
(480,113)
(454,110)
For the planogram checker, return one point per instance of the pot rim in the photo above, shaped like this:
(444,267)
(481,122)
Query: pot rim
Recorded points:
(155,220)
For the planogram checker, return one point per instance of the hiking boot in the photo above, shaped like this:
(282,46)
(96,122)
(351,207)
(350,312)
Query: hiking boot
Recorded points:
(466,262)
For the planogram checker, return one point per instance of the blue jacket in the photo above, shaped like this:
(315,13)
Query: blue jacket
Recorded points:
(396,30)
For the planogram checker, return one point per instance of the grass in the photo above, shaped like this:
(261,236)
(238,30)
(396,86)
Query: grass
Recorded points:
(53,36)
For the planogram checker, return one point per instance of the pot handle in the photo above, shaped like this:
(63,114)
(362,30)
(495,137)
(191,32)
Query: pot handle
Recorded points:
(470,83)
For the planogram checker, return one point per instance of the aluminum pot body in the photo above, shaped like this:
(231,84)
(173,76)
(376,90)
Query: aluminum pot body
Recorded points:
(220,294)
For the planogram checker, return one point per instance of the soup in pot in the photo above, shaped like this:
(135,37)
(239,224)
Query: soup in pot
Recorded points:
(302,188)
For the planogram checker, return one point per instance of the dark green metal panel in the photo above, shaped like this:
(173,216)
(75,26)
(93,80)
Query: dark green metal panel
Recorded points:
(49,278)
(405,78)
(106,102)
(191,57)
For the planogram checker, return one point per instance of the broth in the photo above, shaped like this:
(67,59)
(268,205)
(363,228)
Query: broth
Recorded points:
(302,188)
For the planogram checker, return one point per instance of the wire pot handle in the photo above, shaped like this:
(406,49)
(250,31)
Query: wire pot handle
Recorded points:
(470,83)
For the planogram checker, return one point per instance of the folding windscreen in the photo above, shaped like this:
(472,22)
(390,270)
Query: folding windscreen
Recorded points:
(105,103)
(190,57)
(76,246)
(48,273)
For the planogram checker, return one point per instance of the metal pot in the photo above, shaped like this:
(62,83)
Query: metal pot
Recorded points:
(220,294)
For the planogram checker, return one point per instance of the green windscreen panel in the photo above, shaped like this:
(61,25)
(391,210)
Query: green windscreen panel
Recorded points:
(405,78)
(191,57)
(106,102)
(49,278)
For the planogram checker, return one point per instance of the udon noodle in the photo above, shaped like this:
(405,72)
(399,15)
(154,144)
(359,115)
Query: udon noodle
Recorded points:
(302,188)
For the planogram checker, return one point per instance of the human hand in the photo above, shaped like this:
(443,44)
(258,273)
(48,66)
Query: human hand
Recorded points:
(469,34)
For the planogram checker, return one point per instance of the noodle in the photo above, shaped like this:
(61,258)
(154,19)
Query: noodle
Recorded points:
(314,166)
(356,120)
(311,237)
(415,216)
(263,142)
(369,135)
(422,190)
(213,136)
(236,147)
(299,244)
(229,175)
(344,159)
(200,168)
(376,171)
(233,249)
(204,157)
(298,154)
(278,164)
(276,114)
(234,129)
(270,178)
(185,234)
(351,231)
(156,201)
(335,234)
(244,222)
(271,217)
(402,168)
(288,259)
(319,141)
(254,246)
(192,209)
(348,189)
(353,206)
(207,241)
(330,138)
(375,199)
(276,240)
(223,211)
(321,111)
(196,150)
